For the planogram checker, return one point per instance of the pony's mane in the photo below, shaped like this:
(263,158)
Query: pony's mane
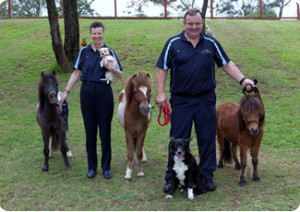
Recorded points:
(250,104)
(42,82)
(141,78)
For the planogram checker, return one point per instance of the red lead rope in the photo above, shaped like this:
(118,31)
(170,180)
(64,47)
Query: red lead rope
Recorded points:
(167,114)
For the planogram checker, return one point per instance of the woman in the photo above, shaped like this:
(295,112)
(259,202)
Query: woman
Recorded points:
(96,99)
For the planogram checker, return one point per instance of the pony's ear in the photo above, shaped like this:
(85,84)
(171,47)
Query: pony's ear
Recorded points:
(148,75)
(134,76)
(42,73)
(242,124)
(261,117)
(54,73)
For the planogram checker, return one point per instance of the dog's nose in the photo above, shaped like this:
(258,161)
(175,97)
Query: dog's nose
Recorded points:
(179,152)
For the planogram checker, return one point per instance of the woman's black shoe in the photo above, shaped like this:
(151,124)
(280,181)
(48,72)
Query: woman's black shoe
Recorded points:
(91,174)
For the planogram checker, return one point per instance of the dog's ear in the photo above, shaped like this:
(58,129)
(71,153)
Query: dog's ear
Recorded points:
(188,140)
(187,143)
(171,146)
(172,142)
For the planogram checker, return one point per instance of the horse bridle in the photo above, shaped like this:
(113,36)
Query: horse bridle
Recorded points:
(51,89)
(144,99)
(252,121)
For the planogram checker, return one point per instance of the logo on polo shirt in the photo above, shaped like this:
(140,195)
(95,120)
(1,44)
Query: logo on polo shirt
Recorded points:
(205,51)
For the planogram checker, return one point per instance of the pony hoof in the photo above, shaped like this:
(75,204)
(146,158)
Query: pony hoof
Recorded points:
(169,196)
(237,167)
(144,161)
(141,174)
(242,183)
(128,174)
(69,154)
(256,179)
(128,178)
(45,169)
(220,166)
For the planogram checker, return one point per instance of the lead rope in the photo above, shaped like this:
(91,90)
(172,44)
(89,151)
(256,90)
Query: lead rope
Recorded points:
(167,114)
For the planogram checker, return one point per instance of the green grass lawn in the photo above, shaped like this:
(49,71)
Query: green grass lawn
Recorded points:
(266,50)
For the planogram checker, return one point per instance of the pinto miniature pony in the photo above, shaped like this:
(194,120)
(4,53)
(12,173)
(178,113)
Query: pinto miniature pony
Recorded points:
(51,122)
(242,125)
(134,114)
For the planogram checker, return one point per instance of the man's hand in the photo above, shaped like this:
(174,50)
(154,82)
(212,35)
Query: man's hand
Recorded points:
(160,99)
(248,84)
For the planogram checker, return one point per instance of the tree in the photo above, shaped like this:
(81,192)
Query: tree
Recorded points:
(64,54)
(281,4)
(84,8)
(236,7)
(185,5)
(22,8)
(33,8)
(71,29)
(57,46)
(138,6)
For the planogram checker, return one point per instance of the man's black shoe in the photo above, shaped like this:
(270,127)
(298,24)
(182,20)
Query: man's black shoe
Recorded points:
(167,188)
(211,186)
(91,174)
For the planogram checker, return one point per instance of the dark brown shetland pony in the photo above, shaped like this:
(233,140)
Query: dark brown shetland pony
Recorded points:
(242,125)
(134,114)
(51,122)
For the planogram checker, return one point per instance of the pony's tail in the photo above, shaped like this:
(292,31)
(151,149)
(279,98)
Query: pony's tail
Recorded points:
(227,151)
(53,141)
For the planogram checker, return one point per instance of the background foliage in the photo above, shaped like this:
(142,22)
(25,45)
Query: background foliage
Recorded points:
(266,50)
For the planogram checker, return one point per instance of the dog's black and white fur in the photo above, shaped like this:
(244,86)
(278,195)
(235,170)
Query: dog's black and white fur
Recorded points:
(185,174)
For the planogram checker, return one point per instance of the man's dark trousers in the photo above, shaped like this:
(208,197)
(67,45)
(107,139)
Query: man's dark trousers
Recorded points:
(200,110)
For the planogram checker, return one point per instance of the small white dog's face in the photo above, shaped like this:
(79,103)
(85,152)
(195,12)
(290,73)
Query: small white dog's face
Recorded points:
(104,51)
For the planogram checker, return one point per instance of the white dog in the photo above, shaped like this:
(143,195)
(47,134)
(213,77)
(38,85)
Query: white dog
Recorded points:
(106,57)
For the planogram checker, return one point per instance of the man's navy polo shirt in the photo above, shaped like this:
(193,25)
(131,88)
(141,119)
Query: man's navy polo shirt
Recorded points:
(192,69)
(88,61)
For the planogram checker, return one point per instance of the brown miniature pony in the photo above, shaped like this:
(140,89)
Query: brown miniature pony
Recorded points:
(51,122)
(134,114)
(242,125)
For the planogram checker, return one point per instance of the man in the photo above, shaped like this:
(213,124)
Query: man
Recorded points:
(191,57)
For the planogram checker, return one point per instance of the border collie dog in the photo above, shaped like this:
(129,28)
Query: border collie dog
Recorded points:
(185,174)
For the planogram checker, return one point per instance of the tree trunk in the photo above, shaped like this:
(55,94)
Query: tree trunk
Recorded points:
(71,29)
(58,48)
(204,8)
